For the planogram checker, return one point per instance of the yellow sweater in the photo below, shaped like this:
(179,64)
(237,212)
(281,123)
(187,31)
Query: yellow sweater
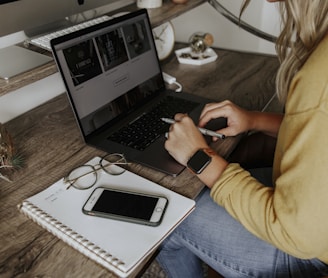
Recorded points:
(294,215)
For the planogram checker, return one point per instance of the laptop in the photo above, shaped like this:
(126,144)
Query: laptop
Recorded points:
(114,83)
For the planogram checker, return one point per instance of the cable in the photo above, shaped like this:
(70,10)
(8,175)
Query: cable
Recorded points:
(179,89)
(169,79)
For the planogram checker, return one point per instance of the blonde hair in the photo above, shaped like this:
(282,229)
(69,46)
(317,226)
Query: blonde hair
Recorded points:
(304,25)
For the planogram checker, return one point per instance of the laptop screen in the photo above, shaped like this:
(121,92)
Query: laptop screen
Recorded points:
(109,69)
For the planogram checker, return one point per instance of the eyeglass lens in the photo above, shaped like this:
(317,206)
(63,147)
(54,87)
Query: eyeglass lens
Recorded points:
(82,177)
(112,163)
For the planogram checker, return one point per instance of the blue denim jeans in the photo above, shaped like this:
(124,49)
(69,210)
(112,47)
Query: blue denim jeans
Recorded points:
(211,235)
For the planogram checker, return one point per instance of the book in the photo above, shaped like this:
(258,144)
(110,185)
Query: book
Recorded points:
(116,245)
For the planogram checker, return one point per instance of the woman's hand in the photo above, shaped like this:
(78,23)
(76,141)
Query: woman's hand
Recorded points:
(184,139)
(238,120)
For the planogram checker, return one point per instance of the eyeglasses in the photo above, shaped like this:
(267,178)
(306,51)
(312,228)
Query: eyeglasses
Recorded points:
(85,176)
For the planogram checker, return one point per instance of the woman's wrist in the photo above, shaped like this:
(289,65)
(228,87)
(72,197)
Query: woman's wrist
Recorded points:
(254,117)
(268,123)
(213,170)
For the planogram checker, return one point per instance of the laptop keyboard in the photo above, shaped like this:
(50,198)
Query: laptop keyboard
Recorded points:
(140,133)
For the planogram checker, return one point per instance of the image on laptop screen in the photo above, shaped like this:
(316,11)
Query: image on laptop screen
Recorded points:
(110,71)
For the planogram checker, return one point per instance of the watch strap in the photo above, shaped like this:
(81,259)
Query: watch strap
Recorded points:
(209,151)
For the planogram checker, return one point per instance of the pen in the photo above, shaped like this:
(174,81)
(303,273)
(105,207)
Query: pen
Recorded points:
(203,131)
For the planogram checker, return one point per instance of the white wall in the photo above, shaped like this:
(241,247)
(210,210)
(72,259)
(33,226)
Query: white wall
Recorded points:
(260,14)
(30,96)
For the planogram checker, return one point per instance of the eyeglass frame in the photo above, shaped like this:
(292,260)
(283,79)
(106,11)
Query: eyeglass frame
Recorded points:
(95,170)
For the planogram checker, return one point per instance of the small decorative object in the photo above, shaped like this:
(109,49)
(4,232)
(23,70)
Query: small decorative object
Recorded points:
(164,39)
(199,52)
(9,161)
(149,4)
(200,41)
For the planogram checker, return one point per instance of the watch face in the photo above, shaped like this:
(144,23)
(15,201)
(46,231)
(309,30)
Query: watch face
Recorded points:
(164,39)
(199,161)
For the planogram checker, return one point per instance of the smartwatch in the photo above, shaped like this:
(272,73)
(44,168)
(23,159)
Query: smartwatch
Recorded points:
(200,160)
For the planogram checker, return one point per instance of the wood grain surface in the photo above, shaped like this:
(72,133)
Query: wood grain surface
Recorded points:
(48,138)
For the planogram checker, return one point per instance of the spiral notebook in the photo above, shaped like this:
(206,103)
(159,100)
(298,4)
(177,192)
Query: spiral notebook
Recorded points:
(116,245)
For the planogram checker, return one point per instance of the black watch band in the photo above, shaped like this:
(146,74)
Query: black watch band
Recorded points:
(200,160)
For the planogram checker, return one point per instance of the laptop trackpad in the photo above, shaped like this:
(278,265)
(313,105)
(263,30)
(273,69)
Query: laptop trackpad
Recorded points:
(157,157)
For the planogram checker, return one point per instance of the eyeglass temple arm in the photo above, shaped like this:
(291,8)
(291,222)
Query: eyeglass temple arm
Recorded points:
(242,24)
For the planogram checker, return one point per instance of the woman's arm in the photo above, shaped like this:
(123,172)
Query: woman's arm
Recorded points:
(184,139)
(240,120)
(268,123)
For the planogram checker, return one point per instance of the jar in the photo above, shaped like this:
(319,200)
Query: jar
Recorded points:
(200,41)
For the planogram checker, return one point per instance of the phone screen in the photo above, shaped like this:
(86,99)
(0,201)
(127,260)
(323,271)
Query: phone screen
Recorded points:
(126,204)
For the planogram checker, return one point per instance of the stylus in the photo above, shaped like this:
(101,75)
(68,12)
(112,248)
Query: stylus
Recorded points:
(203,131)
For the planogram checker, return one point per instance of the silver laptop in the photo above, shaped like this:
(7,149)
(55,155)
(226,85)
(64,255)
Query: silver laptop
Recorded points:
(115,86)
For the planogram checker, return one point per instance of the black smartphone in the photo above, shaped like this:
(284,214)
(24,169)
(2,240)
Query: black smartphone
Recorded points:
(128,206)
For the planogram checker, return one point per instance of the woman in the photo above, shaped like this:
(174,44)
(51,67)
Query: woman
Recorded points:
(242,226)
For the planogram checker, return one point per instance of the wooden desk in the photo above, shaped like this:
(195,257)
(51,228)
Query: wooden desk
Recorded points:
(48,138)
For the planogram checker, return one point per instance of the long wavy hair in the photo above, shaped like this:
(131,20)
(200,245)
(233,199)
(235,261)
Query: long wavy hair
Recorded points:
(304,25)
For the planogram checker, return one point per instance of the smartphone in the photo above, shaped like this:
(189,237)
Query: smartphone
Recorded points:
(126,206)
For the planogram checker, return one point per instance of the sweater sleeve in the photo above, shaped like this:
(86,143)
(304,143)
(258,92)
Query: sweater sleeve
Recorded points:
(293,214)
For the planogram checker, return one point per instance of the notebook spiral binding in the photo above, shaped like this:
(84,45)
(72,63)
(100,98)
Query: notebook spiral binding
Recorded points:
(78,242)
